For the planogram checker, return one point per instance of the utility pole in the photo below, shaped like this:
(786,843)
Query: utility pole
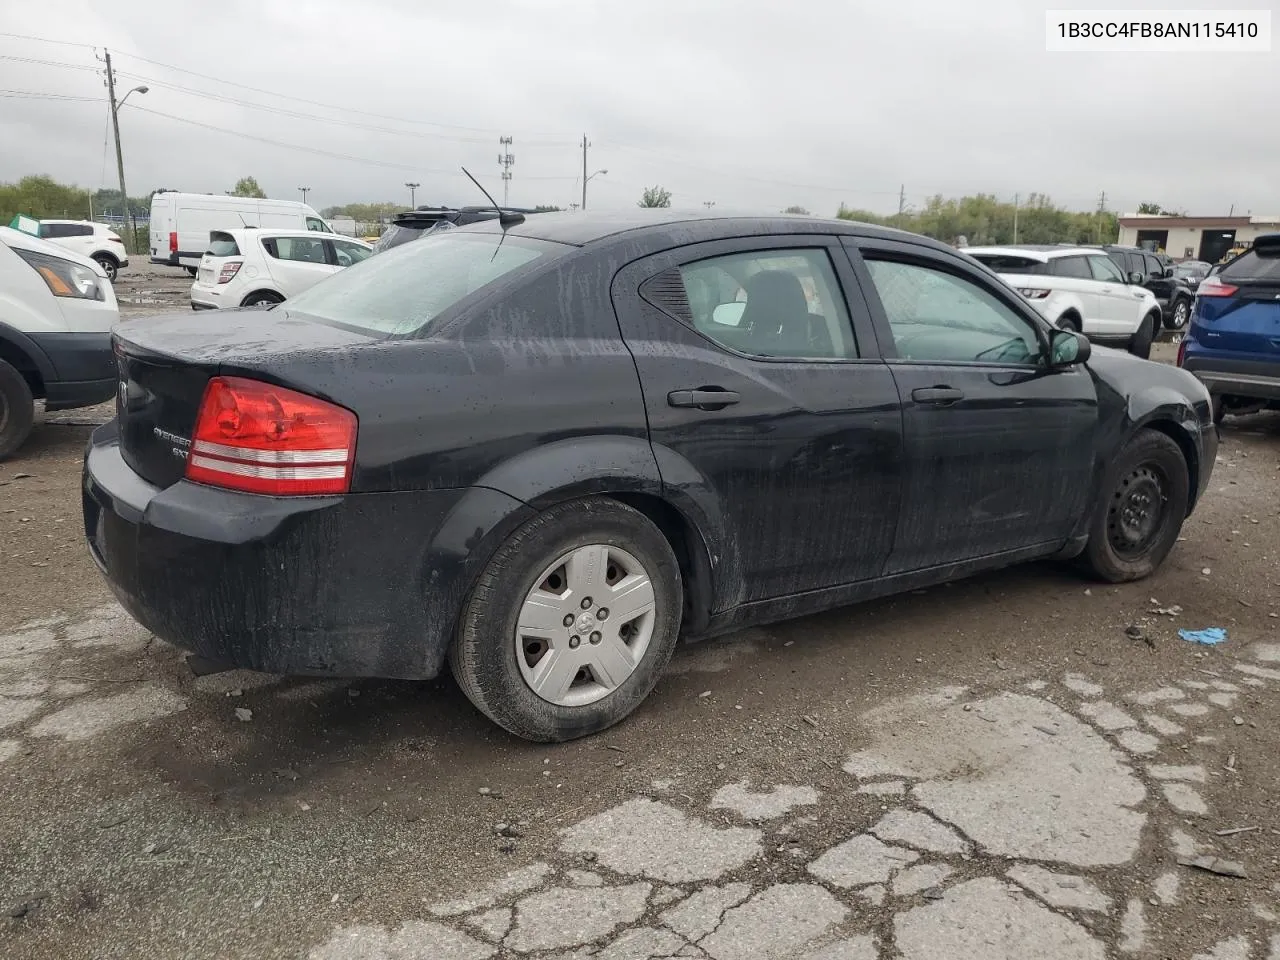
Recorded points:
(304,191)
(505,160)
(708,204)
(126,214)
(1102,207)
(1015,218)
(413,187)
(902,202)
(585,144)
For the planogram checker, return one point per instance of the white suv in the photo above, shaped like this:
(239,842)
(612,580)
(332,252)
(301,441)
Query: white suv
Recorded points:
(251,267)
(96,241)
(1076,288)
(56,313)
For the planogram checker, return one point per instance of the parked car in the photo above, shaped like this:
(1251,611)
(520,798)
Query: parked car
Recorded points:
(1191,272)
(56,312)
(253,268)
(413,224)
(543,448)
(1233,343)
(94,240)
(1080,289)
(181,222)
(1160,277)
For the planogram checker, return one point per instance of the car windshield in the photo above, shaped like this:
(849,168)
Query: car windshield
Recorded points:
(400,292)
(1191,269)
(1256,264)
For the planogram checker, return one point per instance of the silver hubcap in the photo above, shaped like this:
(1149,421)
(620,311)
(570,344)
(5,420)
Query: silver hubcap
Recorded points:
(1180,315)
(585,625)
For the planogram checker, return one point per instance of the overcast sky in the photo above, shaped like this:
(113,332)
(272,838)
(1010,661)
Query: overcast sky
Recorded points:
(747,103)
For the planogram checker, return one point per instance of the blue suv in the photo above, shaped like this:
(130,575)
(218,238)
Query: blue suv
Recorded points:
(1233,343)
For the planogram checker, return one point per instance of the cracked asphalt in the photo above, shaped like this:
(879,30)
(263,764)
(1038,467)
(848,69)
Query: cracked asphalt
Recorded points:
(995,769)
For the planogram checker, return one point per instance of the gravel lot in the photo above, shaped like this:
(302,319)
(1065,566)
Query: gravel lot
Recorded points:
(994,769)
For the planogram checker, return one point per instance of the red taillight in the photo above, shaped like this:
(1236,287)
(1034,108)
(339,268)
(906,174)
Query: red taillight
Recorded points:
(228,271)
(1213,287)
(1182,351)
(173,242)
(260,438)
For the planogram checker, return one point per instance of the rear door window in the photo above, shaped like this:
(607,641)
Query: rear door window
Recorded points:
(1076,267)
(298,249)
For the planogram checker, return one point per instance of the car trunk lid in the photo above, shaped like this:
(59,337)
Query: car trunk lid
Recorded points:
(164,365)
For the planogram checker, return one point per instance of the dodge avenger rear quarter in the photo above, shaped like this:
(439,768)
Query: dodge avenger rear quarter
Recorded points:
(543,451)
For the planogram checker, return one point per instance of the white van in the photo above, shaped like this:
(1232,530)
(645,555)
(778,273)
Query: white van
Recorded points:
(181,222)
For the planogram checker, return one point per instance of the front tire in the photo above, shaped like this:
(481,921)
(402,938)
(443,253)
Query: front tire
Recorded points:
(1140,343)
(109,267)
(571,623)
(1140,511)
(1180,315)
(17,410)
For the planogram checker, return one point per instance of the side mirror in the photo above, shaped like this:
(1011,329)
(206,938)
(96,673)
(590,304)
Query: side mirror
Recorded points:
(728,314)
(1136,278)
(1168,273)
(1067,347)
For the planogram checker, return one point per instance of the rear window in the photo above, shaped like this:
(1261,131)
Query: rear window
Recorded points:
(1005,263)
(223,245)
(401,291)
(1254,264)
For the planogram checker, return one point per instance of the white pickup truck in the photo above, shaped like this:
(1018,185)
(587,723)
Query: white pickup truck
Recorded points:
(1076,288)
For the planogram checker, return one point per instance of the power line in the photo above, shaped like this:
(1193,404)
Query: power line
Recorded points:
(286,112)
(305,149)
(61,43)
(37,95)
(48,63)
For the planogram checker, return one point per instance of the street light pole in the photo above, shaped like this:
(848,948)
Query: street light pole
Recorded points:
(115,125)
(586,181)
(304,191)
(412,191)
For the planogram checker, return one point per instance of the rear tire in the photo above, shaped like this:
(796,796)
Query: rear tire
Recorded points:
(1140,342)
(190,270)
(486,653)
(262,299)
(1140,509)
(1069,322)
(109,267)
(17,410)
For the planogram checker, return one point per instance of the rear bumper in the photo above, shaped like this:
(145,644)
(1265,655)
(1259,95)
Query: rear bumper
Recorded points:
(1258,379)
(363,585)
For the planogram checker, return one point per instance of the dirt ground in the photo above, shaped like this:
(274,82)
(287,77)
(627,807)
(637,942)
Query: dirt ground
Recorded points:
(995,768)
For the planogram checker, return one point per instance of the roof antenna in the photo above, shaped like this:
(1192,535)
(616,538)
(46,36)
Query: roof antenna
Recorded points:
(506,218)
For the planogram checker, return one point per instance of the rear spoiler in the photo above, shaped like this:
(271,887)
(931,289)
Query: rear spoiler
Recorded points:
(1267,245)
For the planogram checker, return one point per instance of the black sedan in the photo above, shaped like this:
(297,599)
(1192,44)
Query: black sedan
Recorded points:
(543,450)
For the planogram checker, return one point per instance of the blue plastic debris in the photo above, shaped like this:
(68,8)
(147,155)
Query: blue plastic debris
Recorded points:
(1209,636)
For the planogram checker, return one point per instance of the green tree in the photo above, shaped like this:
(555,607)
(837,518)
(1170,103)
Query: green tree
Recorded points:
(545,208)
(248,187)
(983,219)
(655,197)
(796,211)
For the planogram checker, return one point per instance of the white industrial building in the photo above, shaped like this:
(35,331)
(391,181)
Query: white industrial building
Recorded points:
(1195,238)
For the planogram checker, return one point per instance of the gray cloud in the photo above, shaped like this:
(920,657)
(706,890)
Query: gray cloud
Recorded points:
(746,103)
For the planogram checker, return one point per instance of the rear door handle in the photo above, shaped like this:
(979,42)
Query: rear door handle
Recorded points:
(936,395)
(704,398)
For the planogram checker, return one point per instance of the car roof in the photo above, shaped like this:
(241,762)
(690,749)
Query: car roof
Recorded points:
(1042,252)
(16,239)
(244,232)
(580,229)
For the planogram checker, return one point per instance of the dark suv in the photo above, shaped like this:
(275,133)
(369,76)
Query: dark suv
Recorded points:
(1173,293)
(421,221)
